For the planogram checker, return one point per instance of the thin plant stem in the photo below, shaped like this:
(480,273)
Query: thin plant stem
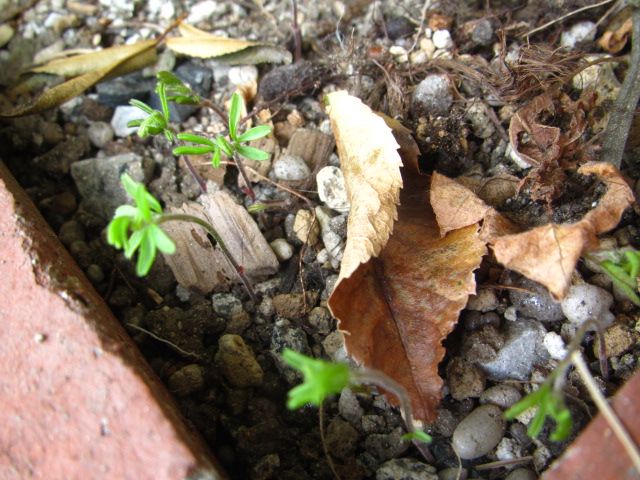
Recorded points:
(625,106)
(324,443)
(375,377)
(564,17)
(243,173)
(183,217)
(297,36)
(164,340)
(606,410)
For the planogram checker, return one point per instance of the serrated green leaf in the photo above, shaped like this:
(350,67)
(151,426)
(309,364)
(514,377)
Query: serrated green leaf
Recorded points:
(117,231)
(129,184)
(235,111)
(255,133)
(253,153)
(164,243)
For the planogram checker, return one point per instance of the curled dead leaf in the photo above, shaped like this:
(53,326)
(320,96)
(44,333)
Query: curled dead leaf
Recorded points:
(546,254)
(371,171)
(613,41)
(397,308)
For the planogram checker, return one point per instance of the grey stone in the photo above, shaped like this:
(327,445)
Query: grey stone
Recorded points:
(100,133)
(501,395)
(225,305)
(98,181)
(480,120)
(406,469)
(341,438)
(59,159)
(320,320)
(119,91)
(538,305)
(332,190)
(70,232)
(432,96)
(482,32)
(291,168)
(285,335)
(483,301)
(385,446)
(523,348)
(373,424)
(479,432)
(508,449)
(349,407)
(237,362)
(334,346)
(442,39)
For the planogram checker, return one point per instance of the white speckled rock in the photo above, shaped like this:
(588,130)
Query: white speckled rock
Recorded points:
(291,168)
(332,190)
(578,33)
(554,345)
(432,96)
(479,432)
(442,39)
(123,115)
(588,302)
(100,133)
(282,249)
(504,396)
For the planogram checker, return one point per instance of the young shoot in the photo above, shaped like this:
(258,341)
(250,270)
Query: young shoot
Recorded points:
(623,267)
(136,228)
(323,379)
(235,144)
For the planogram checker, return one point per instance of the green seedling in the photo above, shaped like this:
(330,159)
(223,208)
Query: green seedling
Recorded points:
(548,403)
(136,228)
(323,379)
(235,144)
(623,268)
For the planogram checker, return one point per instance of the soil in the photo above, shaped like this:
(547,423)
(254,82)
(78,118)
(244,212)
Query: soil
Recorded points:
(196,340)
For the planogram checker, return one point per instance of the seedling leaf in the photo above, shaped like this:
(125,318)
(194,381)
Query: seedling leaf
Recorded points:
(253,153)
(255,133)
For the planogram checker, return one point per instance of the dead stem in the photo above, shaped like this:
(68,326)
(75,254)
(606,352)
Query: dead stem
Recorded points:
(624,109)
(163,340)
(297,36)
(503,463)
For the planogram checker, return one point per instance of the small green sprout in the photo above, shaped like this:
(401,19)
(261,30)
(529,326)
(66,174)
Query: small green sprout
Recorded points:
(548,403)
(135,228)
(220,145)
(623,268)
(322,379)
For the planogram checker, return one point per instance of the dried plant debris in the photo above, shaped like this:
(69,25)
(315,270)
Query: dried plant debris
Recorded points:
(547,254)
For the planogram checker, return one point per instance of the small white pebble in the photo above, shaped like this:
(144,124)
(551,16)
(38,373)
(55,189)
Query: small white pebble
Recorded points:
(555,345)
(397,50)
(511,314)
(39,337)
(282,249)
(442,39)
(588,302)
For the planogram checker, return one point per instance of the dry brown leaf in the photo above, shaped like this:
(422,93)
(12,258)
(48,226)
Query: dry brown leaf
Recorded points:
(614,41)
(398,308)
(546,254)
(455,206)
(371,167)
(88,62)
(535,143)
(549,254)
(71,88)
(198,43)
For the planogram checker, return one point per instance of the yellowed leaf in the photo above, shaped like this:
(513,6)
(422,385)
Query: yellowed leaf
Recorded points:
(198,43)
(71,88)
(99,59)
(371,167)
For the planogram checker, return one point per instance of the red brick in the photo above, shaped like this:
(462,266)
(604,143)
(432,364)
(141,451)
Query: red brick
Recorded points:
(597,452)
(77,400)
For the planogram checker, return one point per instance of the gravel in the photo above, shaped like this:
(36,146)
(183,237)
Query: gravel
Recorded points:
(479,432)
